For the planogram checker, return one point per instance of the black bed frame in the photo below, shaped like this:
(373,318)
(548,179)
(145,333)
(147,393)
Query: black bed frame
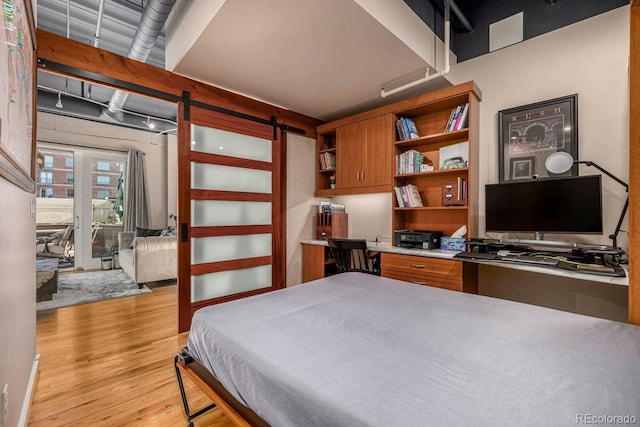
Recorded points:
(225,401)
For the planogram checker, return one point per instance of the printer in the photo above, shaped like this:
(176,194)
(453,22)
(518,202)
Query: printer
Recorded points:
(416,239)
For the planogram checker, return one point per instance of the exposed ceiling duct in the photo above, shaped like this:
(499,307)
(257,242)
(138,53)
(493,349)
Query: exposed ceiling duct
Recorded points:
(66,104)
(152,21)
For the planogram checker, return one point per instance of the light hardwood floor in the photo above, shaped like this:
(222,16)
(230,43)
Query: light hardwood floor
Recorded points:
(110,363)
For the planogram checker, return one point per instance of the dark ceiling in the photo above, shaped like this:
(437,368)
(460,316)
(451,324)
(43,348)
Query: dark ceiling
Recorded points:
(540,17)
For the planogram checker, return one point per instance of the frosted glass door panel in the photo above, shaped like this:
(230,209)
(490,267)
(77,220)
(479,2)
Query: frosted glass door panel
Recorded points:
(225,248)
(213,213)
(227,178)
(225,283)
(224,143)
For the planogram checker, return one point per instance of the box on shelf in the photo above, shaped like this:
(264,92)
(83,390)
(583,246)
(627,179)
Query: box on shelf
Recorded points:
(332,225)
(453,244)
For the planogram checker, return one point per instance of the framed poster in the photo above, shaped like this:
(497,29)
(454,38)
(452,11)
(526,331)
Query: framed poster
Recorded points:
(17,94)
(531,133)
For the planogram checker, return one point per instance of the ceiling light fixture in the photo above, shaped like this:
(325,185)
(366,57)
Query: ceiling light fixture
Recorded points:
(149,123)
(59,103)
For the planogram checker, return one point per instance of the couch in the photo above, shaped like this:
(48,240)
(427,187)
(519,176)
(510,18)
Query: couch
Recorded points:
(148,259)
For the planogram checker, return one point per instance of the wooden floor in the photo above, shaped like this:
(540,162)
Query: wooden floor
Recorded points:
(110,363)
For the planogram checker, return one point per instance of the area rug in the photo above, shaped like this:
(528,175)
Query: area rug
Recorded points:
(81,288)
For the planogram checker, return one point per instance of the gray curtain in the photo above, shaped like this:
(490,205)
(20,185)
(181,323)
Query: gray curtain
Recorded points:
(136,212)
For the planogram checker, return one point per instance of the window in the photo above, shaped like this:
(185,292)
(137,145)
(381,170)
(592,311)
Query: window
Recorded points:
(46,177)
(122,167)
(70,192)
(103,180)
(48,161)
(103,166)
(69,162)
(103,194)
(70,178)
(46,192)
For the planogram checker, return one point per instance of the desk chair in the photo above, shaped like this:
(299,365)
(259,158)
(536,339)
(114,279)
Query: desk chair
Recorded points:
(352,255)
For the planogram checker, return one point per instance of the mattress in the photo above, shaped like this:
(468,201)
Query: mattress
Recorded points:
(361,350)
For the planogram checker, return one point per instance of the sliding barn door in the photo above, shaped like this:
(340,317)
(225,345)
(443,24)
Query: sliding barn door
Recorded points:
(231,229)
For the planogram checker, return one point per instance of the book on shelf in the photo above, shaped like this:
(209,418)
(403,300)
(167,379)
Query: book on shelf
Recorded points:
(406,129)
(327,161)
(462,122)
(454,156)
(408,196)
(409,162)
(458,118)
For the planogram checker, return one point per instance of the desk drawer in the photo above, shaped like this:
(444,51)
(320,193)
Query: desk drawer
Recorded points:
(422,278)
(423,266)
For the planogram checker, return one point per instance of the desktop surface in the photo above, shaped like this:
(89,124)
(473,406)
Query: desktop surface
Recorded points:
(540,269)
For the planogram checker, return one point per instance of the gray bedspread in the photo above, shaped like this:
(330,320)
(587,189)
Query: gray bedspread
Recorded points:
(360,350)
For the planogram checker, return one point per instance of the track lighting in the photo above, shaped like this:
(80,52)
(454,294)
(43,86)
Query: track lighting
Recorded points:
(59,103)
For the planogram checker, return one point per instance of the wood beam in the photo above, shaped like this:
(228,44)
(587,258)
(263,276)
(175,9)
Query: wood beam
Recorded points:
(82,57)
(634,164)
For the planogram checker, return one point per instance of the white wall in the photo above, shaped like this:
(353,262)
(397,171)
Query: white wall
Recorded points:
(70,131)
(369,215)
(172,176)
(17,295)
(589,58)
(301,205)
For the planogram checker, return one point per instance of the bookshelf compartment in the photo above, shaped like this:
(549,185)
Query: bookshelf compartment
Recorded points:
(445,219)
(431,117)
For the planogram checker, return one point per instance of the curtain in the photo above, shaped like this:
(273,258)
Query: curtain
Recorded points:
(137,212)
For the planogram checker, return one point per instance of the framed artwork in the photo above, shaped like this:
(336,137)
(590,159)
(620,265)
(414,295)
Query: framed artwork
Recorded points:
(17,94)
(522,167)
(531,133)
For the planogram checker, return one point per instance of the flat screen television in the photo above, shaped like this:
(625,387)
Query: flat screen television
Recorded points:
(571,205)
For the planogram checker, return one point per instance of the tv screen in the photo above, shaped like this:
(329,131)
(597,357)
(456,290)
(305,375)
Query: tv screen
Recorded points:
(562,205)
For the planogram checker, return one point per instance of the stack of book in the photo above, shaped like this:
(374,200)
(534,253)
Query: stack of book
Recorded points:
(458,118)
(406,129)
(409,162)
(408,196)
(327,161)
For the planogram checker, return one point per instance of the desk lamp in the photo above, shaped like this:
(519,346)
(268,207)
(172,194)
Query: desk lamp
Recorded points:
(560,162)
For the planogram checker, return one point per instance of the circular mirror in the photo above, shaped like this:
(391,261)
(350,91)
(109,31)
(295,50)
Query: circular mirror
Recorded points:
(559,162)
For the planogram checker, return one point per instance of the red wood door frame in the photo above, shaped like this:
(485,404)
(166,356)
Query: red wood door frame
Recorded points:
(186,194)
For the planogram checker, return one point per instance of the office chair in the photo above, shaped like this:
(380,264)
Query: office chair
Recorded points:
(352,255)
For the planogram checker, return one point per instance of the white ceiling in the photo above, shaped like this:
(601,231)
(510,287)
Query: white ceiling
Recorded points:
(325,59)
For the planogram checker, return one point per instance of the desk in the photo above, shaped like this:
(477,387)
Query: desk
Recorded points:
(315,261)
(582,293)
(426,267)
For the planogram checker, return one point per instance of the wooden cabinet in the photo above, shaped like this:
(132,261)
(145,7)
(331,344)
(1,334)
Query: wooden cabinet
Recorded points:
(440,273)
(364,153)
(363,157)
(431,114)
(316,262)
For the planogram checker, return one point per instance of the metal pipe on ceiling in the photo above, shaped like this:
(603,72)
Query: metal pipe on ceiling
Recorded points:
(447,37)
(153,18)
(463,19)
(68,18)
(96,37)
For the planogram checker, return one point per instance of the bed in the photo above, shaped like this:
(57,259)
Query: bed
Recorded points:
(361,350)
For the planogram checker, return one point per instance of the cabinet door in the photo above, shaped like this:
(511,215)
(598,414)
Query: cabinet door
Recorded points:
(349,154)
(377,157)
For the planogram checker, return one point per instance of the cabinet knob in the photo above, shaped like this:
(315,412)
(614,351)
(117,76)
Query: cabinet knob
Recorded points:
(418,283)
(417,265)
